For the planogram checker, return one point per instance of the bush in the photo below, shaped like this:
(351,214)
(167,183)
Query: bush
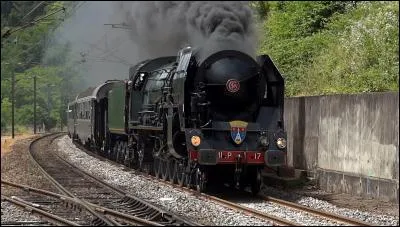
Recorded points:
(333,47)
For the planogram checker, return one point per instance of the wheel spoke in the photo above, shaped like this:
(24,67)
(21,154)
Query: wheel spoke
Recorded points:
(256,182)
(165,169)
(156,166)
(200,180)
(172,171)
(181,174)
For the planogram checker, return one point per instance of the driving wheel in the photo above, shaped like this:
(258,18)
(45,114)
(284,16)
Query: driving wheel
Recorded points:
(201,180)
(180,174)
(172,171)
(156,166)
(164,169)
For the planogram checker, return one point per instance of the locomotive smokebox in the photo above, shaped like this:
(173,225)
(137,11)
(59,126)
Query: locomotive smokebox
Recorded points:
(233,83)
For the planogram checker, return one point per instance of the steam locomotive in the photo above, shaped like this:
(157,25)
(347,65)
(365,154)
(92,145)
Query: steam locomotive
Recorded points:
(190,121)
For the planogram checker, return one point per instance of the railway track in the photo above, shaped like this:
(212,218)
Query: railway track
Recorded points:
(230,203)
(335,217)
(287,205)
(106,204)
(48,213)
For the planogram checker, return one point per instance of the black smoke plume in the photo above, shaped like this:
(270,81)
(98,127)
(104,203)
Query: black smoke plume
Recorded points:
(162,28)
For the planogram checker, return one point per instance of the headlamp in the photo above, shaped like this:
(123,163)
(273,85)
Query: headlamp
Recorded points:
(264,141)
(281,143)
(195,141)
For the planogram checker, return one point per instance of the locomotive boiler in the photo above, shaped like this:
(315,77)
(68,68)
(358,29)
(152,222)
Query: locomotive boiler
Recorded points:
(196,122)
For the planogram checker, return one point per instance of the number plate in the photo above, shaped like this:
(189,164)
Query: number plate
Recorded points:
(247,157)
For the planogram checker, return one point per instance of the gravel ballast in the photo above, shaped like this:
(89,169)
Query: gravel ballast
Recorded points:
(369,217)
(205,212)
(11,213)
(17,167)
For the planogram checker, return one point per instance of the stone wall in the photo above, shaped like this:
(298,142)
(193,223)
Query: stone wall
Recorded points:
(350,143)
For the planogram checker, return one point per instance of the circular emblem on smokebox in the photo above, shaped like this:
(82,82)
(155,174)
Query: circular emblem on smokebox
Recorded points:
(232,85)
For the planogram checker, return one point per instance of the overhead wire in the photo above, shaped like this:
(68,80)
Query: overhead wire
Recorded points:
(101,49)
(32,10)
(119,43)
(104,52)
(9,32)
(73,11)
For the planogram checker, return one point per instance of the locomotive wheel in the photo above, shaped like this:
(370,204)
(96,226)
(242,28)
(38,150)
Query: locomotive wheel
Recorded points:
(180,174)
(127,158)
(243,180)
(147,168)
(164,169)
(242,185)
(256,181)
(111,153)
(119,152)
(172,166)
(139,158)
(114,151)
(189,180)
(156,166)
(201,180)
(122,154)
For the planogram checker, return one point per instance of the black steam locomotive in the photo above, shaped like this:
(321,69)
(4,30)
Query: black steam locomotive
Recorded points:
(193,122)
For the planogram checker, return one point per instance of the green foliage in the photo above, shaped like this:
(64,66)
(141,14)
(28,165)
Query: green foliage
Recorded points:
(334,47)
(23,54)
(262,8)
(5,113)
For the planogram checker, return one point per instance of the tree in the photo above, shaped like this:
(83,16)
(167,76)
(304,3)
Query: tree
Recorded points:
(23,51)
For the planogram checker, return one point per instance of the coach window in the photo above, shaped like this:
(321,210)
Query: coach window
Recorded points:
(140,80)
(81,110)
(73,111)
(86,110)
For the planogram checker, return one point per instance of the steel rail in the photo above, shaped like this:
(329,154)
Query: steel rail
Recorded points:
(101,209)
(332,216)
(123,193)
(252,212)
(17,223)
(275,220)
(320,213)
(61,188)
(48,216)
(39,191)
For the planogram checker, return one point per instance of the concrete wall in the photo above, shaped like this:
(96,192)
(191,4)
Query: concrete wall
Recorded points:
(350,143)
